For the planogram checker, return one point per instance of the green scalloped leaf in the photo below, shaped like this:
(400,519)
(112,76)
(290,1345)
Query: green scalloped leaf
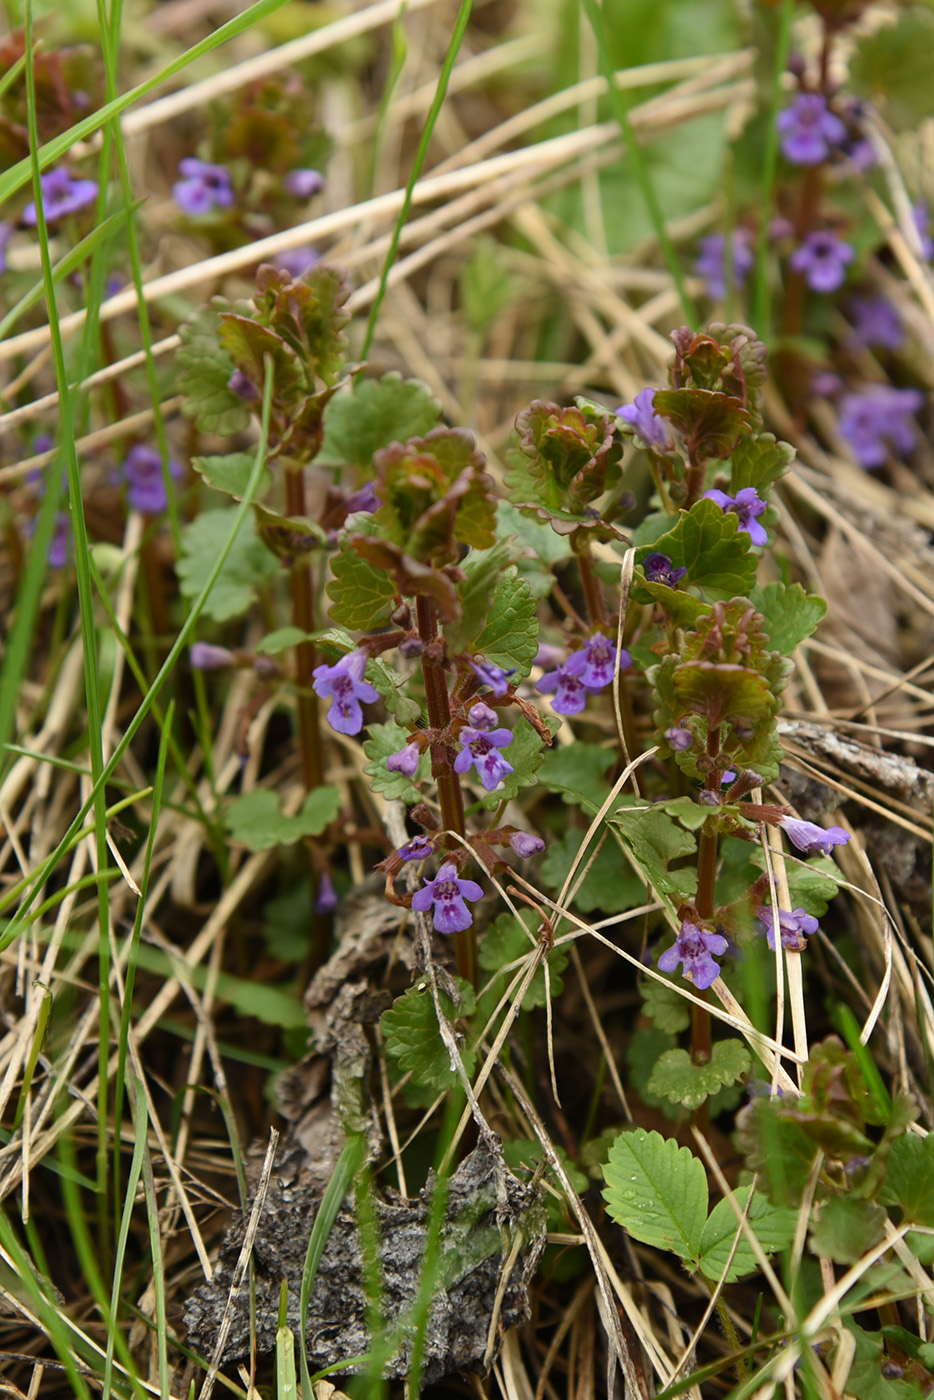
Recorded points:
(577,771)
(255,821)
(204,370)
(680,1080)
(386,739)
(610,885)
(283,638)
(504,942)
(774,1228)
(412,1036)
(510,635)
(669,1011)
(389,684)
(375,413)
(231,473)
(248,564)
(708,542)
(655,840)
(759,461)
(361,595)
(657,1191)
(790,614)
(894,67)
(482,571)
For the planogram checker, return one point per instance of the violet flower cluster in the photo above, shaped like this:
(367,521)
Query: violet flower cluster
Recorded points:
(62,195)
(583,673)
(879,420)
(205,187)
(344,685)
(445,896)
(142,472)
(747,507)
(695,948)
(711,263)
(482,744)
(809,130)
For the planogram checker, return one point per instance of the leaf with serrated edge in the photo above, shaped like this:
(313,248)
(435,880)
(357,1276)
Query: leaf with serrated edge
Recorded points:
(759,461)
(231,473)
(577,772)
(361,595)
(608,885)
(657,1191)
(504,942)
(773,1226)
(254,818)
(412,1036)
(680,1080)
(669,1011)
(790,614)
(376,413)
(510,635)
(708,542)
(248,564)
(389,683)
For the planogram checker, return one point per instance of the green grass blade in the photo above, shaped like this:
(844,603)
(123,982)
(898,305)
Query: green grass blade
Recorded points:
(136,1164)
(347,1166)
(444,77)
(634,152)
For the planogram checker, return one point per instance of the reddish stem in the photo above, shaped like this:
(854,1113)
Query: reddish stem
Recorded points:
(303,617)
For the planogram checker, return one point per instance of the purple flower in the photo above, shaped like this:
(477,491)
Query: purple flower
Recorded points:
(205,187)
(792,926)
(419,848)
(142,472)
(679,739)
(481,748)
(569,692)
(595,663)
(809,837)
(411,647)
(525,845)
(447,893)
(302,184)
(646,423)
(875,322)
(658,568)
(877,419)
(405,761)
(493,676)
(6,232)
(919,212)
(826,384)
(60,546)
(242,385)
(823,258)
(364,498)
(693,948)
(61,195)
(344,684)
(548,656)
(711,261)
(328,898)
(809,130)
(204,656)
(297,261)
(746,505)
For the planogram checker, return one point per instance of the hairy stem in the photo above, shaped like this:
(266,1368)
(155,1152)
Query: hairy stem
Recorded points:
(303,617)
(696,478)
(450,797)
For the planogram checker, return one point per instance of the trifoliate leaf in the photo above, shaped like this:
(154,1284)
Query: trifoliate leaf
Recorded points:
(510,635)
(525,755)
(680,1080)
(577,771)
(846,1227)
(412,1036)
(669,1011)
(894,67)
(657,1191)
(504,942)
(773,1226)
(255,821)
(708,542)
(248,564)
(361,595)
(204,370)
(759,461)
(867,1379)
(386,739)
(609,885)
(375,413)
(231,473)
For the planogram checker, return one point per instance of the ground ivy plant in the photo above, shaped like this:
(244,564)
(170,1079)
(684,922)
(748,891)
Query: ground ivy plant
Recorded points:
(468,636)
